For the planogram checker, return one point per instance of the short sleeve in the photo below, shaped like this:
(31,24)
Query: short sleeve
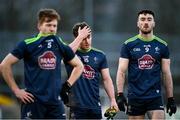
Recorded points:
(19,50)
(68,54)
(103,63)
(66,51)
(124,53)
(165,52)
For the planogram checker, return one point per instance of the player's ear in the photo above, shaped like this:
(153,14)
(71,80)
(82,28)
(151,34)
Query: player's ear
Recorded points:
(138,24)
(38,26)
(154,24)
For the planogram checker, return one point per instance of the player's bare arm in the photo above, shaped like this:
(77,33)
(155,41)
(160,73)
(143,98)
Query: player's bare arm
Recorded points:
(82,33)
(77,70)
(108,85)
(120,78)
(168,82)
(6,65)
(167,77)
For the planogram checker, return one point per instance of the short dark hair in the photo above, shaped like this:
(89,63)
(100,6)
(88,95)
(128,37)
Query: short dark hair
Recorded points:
(76,27)
(146,12)
(47,15)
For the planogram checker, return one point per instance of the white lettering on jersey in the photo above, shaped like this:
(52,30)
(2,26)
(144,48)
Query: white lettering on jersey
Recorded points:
(136,49)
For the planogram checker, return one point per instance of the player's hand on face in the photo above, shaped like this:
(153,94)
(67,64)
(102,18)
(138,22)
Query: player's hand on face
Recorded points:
(83,33)
(24,96)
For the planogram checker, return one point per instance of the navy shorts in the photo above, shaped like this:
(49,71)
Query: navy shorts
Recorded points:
(38,110)
(141,106)
(85,113)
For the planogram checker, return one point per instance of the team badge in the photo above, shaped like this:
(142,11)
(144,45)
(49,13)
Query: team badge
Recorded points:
(146,62)
(95,60)
(47,60)
(157,49)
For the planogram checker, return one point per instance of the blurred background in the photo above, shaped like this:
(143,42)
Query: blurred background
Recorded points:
(112,22)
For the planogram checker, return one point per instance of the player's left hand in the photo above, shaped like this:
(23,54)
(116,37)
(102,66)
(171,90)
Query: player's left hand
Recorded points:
(121,101)
(65,91)
(171,106)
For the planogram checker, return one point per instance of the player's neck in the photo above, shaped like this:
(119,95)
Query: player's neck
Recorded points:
(147,37)
(85,50)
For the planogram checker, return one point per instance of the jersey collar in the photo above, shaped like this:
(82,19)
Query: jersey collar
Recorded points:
(84,51)
(45,34)
(144,39)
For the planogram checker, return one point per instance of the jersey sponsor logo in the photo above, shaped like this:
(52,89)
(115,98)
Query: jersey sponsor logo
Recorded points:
(157,91)
(88,72)
(136,49)
(47,60)
(28,115)
(40,46)
(161,106)
(50,40)
(146,62)
(99,104)
(129,108)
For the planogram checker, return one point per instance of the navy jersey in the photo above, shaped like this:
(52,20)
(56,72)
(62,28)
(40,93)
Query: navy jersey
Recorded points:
(85,92)
(144,70)
(42,57)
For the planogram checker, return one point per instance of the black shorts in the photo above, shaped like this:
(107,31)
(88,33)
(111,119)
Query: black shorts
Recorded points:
(38,110)
(85,113)
(141,106)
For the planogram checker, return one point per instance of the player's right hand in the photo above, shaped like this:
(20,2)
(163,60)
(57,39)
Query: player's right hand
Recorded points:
(121,101)
(65,92)
(24,96)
